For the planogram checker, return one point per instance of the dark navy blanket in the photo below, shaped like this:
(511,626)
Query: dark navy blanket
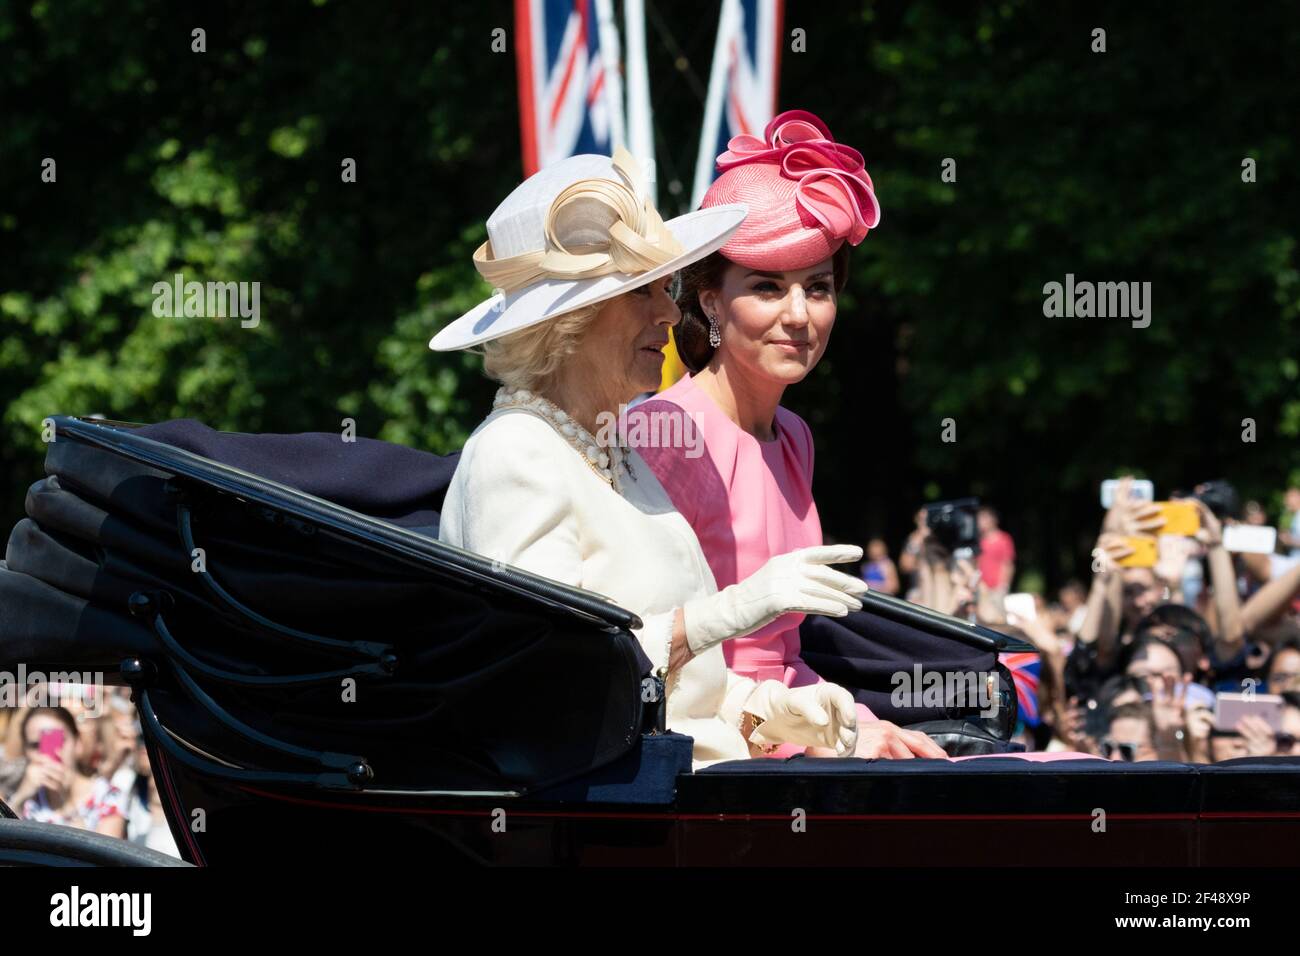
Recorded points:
(377,478)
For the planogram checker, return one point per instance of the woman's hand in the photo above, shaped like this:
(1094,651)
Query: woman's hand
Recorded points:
(798,582)
(42,771)
(880,739)
(1211,533)
(1129,515)
(1258,735)
(1111,548)
(1200,721)
(815,715)
(946,585)
(1172,554)
(1039,633)
(1074,728)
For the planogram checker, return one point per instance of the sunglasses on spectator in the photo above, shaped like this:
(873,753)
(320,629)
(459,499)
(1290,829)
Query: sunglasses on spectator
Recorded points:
(1127,752)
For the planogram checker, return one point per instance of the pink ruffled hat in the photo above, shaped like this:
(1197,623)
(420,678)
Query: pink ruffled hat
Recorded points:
(806,194)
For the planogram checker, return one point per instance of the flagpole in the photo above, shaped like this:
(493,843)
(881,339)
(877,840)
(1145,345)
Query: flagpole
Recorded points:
(777,15)
(525,79)
(640,119)
(704,161)
(609,61)
(640,134)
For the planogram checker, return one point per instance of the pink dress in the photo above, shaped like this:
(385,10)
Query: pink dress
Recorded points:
(747,501)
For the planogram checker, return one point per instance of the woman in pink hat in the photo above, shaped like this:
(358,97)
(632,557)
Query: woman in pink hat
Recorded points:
(756,318)
(582,263)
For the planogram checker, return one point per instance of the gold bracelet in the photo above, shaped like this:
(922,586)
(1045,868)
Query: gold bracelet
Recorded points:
(755,723)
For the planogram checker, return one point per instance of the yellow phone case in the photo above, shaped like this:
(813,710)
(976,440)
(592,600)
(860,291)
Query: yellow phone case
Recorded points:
(1181,518)
(1143,556)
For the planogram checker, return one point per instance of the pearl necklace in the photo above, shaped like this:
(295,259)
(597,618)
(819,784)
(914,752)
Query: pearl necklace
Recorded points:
(605,462)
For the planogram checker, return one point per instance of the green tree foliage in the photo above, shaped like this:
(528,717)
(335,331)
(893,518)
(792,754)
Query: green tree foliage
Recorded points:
(227,166)
(1115,166)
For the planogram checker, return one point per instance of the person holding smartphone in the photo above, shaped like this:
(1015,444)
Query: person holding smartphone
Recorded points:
(1252,735)
(52,789)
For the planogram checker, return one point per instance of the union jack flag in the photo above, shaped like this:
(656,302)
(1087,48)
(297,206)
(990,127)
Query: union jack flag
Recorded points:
(570,91)
(743,82)
(1025,667)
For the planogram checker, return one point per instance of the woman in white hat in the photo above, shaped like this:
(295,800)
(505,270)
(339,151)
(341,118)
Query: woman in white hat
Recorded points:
(582,262)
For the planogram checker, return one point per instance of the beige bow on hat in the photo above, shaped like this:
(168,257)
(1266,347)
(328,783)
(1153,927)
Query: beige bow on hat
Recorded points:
(594,228)
(576,233)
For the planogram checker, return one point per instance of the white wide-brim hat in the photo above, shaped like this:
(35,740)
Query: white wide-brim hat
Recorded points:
(525,225)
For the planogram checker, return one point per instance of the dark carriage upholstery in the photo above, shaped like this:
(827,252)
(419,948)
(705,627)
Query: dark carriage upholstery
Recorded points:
(864,652)
(491,690)
(992,784)
(499,688)
(377,478)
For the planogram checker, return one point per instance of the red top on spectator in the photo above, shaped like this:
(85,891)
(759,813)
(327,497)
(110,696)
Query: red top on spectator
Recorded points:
(996,549)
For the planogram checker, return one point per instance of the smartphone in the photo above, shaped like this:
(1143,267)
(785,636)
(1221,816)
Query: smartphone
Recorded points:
(51,743)
(1250,538)
(1181,518)
(1143,556)
(1022,605)
(1230,708)
(1095,723)
(1141,490)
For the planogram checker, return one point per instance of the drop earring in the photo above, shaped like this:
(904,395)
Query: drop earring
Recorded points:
(715,334)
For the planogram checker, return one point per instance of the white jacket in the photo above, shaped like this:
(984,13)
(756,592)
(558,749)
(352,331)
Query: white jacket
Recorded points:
(521,494)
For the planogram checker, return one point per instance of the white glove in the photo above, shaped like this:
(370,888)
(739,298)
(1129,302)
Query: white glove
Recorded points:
(816,715)
(799,581)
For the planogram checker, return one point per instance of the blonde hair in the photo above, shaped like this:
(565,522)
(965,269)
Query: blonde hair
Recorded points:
(530,357)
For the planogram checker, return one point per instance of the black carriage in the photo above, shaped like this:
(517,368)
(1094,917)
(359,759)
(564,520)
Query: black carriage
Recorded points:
(319,678)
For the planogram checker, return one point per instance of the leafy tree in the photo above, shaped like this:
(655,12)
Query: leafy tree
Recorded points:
(1117,166)
(226,165)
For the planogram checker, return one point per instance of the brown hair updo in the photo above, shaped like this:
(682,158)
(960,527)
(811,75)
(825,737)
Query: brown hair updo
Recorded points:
(692,332)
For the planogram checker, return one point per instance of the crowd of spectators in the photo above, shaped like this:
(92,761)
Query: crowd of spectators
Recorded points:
(1138,664)
(1132,666)
(75,756)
